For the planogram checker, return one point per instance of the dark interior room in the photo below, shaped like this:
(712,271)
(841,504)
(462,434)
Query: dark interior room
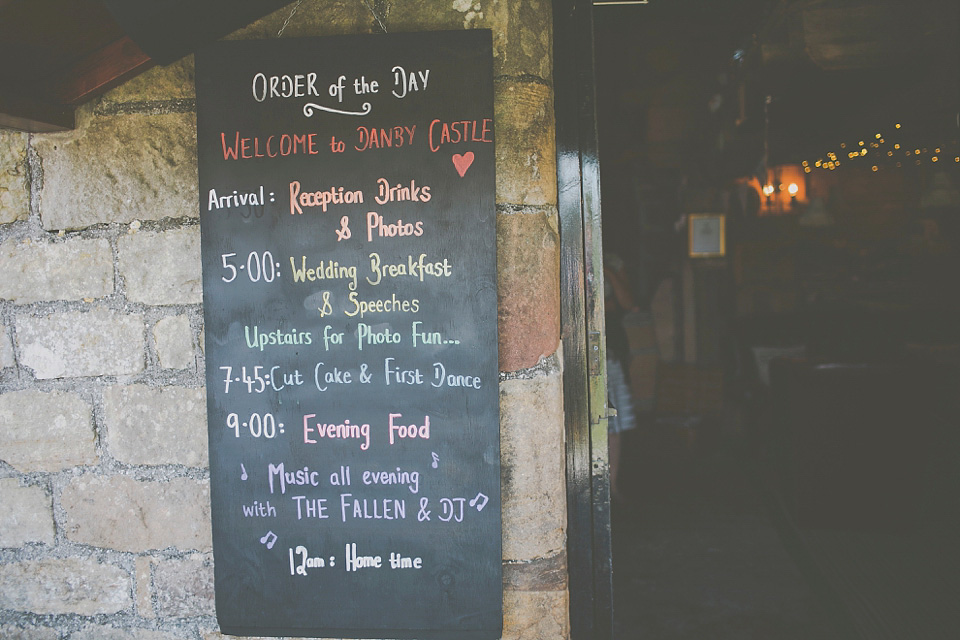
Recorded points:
(780,197)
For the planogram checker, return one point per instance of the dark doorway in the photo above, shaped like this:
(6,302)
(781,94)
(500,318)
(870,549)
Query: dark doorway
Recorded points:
(793,470)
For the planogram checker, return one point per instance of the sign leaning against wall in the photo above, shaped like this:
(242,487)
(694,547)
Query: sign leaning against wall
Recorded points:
(349,276)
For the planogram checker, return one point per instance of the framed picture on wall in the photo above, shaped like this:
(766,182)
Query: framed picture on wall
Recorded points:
(707,235)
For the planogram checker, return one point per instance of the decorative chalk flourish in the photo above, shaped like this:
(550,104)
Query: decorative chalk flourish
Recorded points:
(462,162)
(310,108)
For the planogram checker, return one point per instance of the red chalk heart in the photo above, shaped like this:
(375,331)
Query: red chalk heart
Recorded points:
(462,162)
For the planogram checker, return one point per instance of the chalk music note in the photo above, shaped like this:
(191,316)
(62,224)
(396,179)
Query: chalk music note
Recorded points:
(270,539)
(436,459)
(479,502)
(243,476)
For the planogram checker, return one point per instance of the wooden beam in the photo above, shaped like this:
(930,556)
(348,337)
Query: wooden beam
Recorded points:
(99,72)
(35,116)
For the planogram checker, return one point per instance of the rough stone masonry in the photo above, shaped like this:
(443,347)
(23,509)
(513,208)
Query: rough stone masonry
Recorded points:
(104,497)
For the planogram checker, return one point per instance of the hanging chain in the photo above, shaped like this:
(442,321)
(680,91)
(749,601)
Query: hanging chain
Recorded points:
(375,16)
(289,17)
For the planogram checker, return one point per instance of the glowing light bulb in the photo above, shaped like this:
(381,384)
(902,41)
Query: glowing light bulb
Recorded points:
(768,190)
(873,168)
(897,125)
(793,189)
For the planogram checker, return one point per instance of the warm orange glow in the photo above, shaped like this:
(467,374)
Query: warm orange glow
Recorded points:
(785,188)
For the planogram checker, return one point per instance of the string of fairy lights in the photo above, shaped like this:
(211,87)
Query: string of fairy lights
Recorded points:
(885,151)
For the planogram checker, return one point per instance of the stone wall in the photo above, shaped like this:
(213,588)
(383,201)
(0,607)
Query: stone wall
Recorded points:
(104,490)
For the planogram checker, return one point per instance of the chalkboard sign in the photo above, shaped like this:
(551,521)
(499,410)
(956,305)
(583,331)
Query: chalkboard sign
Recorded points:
(350,306)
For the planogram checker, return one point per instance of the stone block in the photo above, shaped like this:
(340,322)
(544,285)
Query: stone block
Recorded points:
(184,588)
(14,185)
(532,467)
(144,582)
(119,169)
(42,431)
(313,18)
(79,586)
(26,514)
(174,81)
(526,148)
(103,632)
(528,265)
(118,512)
(216,635)
(535,615)
(74,344)
(11,632)
(528,49)
(151,426)
(174,342)
(544,574)
(70,270)
(6,349)
(522,36)
(162,267)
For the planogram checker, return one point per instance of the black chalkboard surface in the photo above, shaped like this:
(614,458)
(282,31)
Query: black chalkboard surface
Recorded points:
(349,280)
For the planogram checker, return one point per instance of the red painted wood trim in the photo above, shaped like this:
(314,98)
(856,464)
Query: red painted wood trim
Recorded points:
(99,72)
